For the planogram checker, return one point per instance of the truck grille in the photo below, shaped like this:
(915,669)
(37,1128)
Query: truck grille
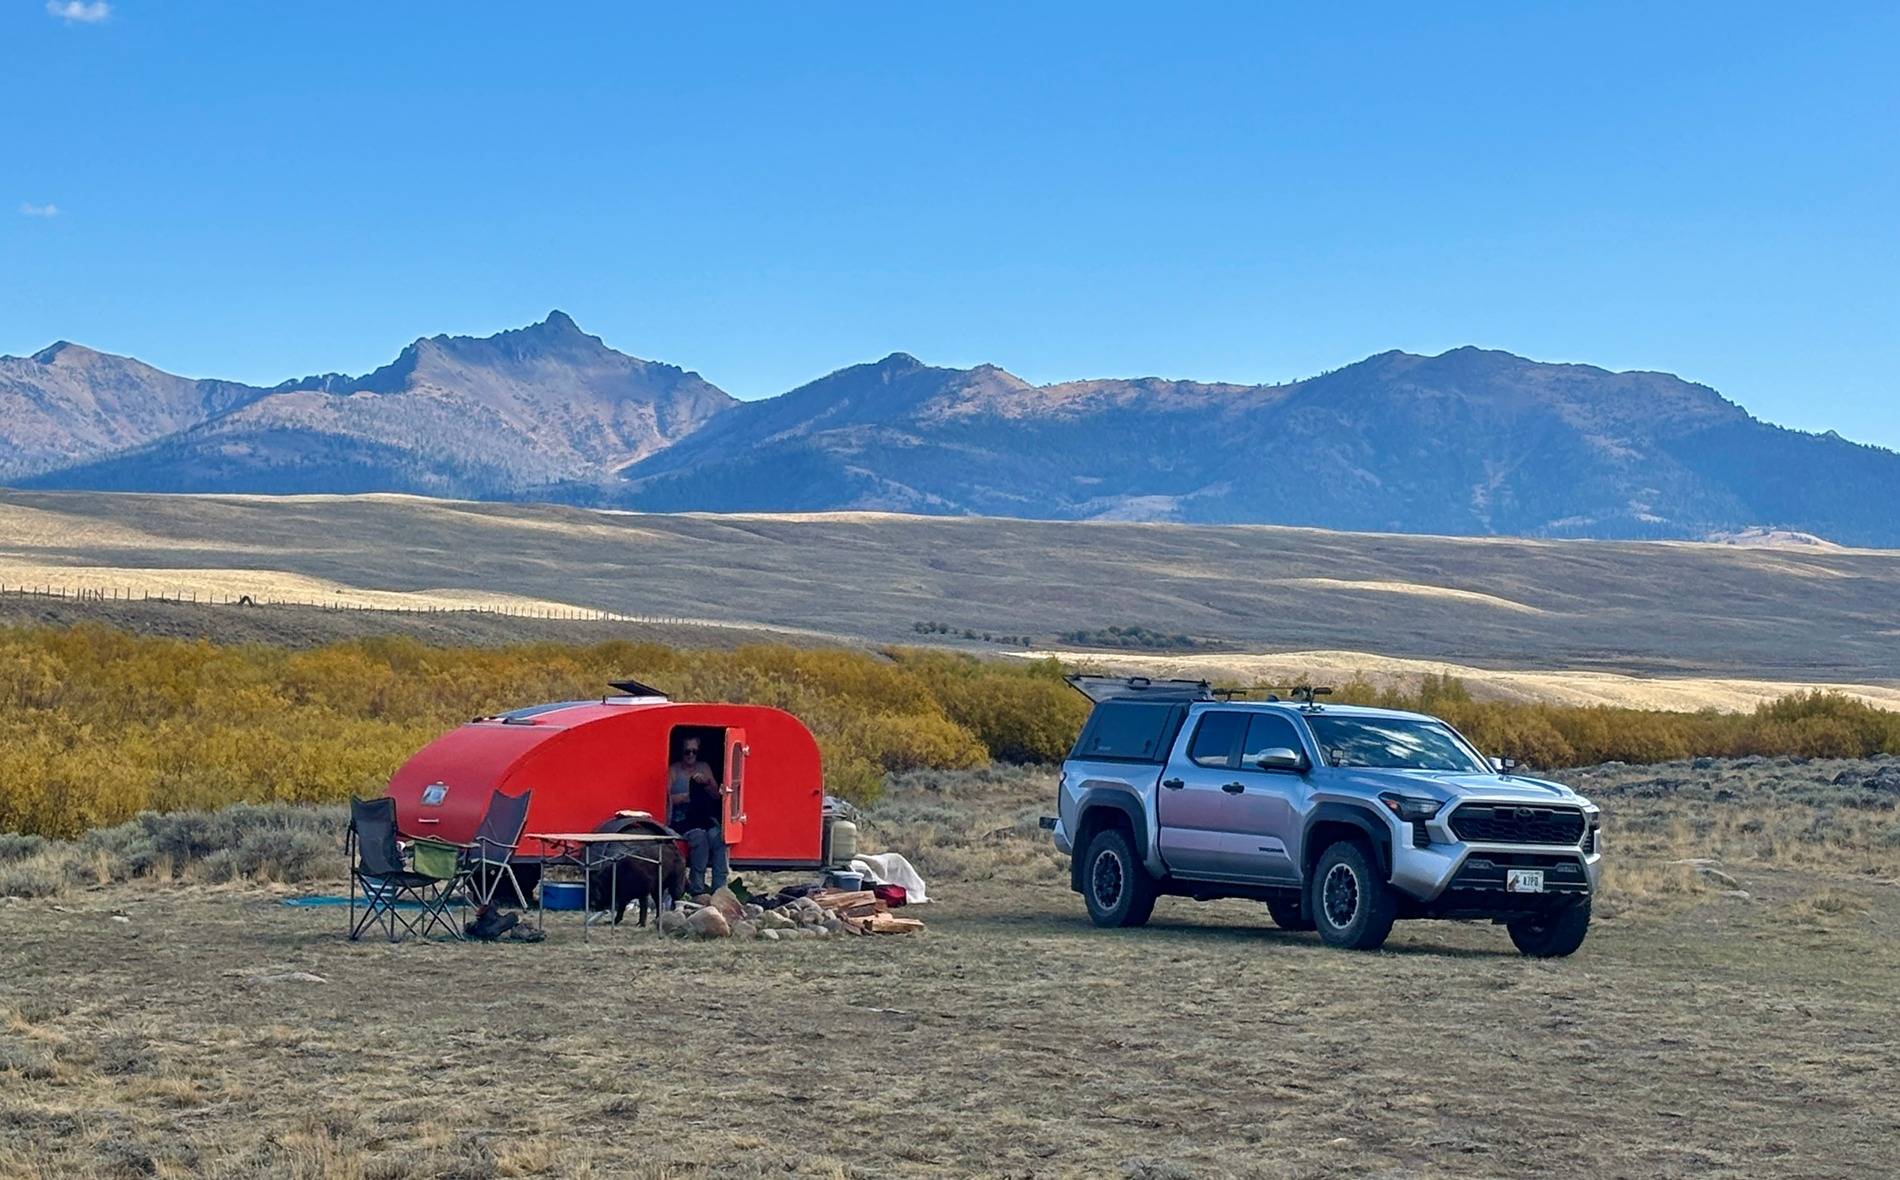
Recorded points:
(1510,823)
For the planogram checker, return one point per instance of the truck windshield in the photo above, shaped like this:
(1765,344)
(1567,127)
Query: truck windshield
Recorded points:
(1392,743)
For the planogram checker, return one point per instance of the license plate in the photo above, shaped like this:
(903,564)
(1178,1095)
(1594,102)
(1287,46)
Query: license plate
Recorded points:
(1524,881)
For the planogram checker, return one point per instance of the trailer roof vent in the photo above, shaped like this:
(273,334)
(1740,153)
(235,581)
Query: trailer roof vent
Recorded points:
(632,692)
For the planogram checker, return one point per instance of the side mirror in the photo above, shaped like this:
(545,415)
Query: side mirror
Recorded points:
(1504,765)
(1280,758)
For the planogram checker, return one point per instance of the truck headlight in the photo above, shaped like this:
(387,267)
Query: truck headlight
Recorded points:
(1410,808)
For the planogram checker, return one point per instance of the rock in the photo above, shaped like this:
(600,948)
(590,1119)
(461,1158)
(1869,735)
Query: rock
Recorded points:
(753,910)
(709,923)
(769,935)
(283,977)
(744,929)
(1737,894)
(675,923)
(775,920)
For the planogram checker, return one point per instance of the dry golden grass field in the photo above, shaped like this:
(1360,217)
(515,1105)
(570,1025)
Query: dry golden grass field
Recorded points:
(1664,610)
(1698,1033)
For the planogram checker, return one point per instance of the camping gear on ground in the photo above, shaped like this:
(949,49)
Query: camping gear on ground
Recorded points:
(563,895)
(589,760)
(377,869)
(891,895)
(845,879)
(491,923)
(841,840)
(883,867)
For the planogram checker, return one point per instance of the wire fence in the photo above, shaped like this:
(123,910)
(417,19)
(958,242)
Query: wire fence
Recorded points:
(193,597)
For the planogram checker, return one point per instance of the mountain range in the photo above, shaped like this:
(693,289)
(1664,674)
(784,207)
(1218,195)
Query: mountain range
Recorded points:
(1470,442)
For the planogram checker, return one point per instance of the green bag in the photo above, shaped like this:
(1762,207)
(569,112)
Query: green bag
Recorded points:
(435,859)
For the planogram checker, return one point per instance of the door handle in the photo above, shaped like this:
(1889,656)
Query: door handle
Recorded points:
(1233,788)
(1173,784)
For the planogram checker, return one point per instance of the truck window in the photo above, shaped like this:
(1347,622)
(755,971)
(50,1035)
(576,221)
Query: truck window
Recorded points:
(1269,731)
(1216,737)
(1128,731)
(1393,743)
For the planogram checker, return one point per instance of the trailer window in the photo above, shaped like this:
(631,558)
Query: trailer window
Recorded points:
(735,779)
(1128,731)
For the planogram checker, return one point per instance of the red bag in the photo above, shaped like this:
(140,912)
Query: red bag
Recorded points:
(891,895)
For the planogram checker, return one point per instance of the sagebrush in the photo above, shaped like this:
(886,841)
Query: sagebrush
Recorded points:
(97,725)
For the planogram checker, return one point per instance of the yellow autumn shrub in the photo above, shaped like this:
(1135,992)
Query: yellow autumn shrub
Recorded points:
(97,725)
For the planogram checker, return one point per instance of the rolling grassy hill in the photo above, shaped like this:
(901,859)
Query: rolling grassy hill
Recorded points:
(1648,609)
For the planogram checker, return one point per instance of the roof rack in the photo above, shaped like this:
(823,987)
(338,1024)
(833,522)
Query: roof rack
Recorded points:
(1305,694)
(1108,688)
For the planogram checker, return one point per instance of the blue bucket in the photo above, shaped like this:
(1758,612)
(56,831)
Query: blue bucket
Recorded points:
(563,895)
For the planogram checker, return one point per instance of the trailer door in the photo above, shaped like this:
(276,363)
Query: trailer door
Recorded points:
(734,818)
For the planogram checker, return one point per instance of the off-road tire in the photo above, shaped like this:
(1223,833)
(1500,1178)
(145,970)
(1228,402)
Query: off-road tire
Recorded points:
(1115,886)
(1552,935)
(1289,914)
(1351,904)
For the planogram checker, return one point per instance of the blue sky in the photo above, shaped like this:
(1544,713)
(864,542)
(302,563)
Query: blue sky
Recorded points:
(1242,192)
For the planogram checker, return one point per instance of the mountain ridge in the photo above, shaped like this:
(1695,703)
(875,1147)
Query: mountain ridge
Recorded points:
(1472,441)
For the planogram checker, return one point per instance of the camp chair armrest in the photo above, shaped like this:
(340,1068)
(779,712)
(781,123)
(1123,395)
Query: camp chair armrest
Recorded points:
(437,841)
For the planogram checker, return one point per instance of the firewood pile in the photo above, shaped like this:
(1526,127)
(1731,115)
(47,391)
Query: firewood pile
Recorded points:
(822,914)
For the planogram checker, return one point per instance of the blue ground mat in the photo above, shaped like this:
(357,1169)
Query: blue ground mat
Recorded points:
(319,899)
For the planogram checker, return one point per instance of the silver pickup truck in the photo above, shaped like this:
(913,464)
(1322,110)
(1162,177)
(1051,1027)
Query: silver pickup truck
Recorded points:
(1340,819)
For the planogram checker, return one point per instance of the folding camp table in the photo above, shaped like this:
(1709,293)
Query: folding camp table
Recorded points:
(588,851)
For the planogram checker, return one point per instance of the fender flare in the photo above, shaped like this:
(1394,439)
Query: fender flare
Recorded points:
(1096,797)
(1353,815)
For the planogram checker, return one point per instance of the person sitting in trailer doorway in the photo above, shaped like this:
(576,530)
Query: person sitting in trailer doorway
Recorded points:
(696,805)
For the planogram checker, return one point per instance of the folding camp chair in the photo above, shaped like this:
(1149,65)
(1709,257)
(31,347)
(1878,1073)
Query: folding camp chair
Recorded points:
(485,862)
(377,868)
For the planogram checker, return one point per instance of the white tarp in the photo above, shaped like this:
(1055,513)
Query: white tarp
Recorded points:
(888,868)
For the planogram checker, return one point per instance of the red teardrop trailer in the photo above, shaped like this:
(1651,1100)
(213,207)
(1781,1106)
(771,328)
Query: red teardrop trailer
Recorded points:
(589,761)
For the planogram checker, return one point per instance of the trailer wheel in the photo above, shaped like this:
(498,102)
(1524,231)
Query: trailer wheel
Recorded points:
(1116,887)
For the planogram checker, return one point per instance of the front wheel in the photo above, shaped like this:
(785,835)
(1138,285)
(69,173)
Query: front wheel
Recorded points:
(1552,935)
(1116,887)
(1350,901)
